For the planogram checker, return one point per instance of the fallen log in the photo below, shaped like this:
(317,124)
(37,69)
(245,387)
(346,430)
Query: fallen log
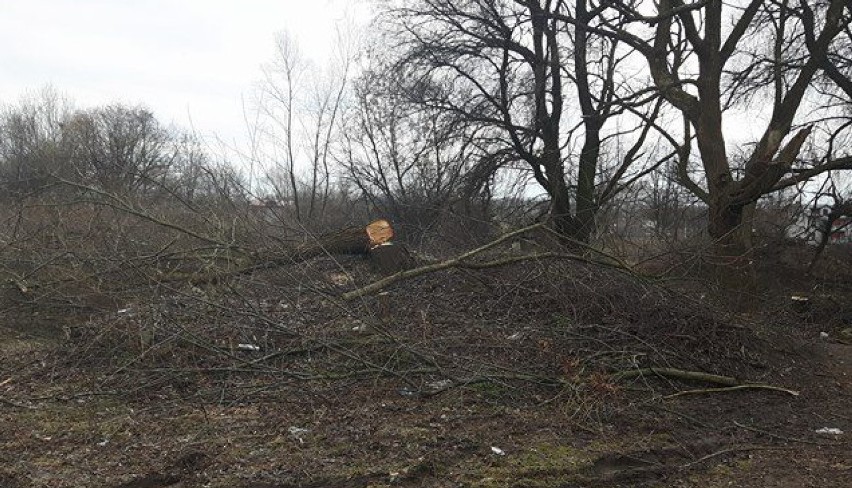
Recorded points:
(373,241)
(463,261)
(728,383)
(352,240)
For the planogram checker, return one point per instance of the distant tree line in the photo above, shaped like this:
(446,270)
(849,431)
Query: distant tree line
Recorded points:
(577,112)
(47,146)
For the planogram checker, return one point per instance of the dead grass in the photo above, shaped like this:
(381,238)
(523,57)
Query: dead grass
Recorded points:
(415,387)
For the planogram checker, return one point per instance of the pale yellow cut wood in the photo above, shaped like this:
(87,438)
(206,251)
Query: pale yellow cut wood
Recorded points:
(379,232)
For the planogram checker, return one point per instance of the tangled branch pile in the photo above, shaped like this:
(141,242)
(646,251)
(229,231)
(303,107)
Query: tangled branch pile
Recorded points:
(527,330)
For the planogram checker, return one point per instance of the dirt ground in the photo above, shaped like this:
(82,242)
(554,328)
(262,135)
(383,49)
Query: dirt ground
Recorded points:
(489,378)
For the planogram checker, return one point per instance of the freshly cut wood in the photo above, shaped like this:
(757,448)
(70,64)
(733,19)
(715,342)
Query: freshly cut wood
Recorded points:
(379,232)
(367,240)
(352,240)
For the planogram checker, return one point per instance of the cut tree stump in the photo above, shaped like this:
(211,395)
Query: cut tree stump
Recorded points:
(386,257)
(375,240)
(390,258)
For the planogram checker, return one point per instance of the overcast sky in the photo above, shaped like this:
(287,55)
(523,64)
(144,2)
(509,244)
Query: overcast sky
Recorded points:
(180,58)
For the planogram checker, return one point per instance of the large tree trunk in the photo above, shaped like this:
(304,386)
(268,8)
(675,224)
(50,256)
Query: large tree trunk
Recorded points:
(587,205)
(584,225)
(560,199)
(731,227)
(732,203)
(352,240)
(730,260)
(373,240)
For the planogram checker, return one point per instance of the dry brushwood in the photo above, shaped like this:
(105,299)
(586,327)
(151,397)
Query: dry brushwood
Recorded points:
(729,383)
(462,261)
(373,241)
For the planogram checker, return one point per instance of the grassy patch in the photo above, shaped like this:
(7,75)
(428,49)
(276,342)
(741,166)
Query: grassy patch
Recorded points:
(544,465)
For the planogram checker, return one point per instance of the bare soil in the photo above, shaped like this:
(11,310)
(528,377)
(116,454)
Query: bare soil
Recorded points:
(502,377)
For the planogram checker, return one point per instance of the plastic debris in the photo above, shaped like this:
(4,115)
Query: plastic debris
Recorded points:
(498,451)
(440,385)
(406,391)
(123,311)
(298,433)
(248,347)
(340,279)
(800,303)
(823,335)
(516,336)
(103,443)
(829,431)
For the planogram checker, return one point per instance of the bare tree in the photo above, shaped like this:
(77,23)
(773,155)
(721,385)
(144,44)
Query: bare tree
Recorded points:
(300,107)
(278,105)
(32,145)
(326,106)
(122,149)
(826,225)
(407,160)
(698,38)
(509,68)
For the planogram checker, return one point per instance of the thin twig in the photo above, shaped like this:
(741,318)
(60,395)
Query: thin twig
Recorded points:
(785,438)
(461,261)
(431,268)
(732,450)
(747,386)
(730,383)
(15,404)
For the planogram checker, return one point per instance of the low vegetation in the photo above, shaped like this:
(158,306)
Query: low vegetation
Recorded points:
(669,311)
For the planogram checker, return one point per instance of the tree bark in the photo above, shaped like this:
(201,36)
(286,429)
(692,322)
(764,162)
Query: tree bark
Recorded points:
(730,226)
(731,260)
(388,259)
(587,204)
(358,240)
(352,240)
(560,199)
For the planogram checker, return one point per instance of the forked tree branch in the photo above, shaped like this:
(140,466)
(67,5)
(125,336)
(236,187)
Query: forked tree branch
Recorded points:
(462,262)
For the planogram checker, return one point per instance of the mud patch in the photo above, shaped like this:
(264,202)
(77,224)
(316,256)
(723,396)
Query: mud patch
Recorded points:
(8,480)
(648,464)
(181,470)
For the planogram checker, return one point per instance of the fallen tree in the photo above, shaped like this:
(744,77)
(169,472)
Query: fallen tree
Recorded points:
(374,241)
(463,261)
